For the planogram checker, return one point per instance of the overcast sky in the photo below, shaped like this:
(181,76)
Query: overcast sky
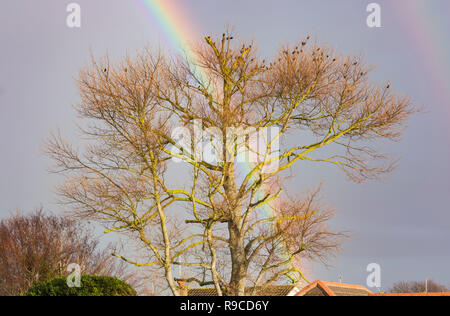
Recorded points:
(401,223)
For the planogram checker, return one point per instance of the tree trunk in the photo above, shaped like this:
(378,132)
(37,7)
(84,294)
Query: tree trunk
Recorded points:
(238,261)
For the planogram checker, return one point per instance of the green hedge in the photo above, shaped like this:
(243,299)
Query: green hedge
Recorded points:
(90,286)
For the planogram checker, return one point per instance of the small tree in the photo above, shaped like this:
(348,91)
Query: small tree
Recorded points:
(90,286)
(418,287)
(39,247)
(230,223)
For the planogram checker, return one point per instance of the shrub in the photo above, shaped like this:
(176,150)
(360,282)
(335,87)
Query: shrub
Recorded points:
(37,247)
(90,286)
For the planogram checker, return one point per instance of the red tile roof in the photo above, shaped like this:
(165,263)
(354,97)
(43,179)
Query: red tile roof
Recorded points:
(411,294)
(275,290)
(324,288)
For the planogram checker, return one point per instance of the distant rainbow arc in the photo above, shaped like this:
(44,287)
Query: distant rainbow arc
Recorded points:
(429,43)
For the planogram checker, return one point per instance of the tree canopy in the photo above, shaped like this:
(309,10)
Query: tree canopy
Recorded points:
(224,114)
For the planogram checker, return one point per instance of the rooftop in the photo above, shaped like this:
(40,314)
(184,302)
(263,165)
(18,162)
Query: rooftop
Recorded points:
(324,288)
(276,290)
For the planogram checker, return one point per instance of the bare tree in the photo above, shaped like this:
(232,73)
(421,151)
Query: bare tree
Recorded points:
(429,286)
(226,225)
(39,247)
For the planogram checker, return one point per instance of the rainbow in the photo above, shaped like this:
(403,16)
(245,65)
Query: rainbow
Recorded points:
(428,41)
(178,30)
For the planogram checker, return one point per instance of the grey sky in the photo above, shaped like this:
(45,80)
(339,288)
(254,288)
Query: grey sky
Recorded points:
(402,222)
